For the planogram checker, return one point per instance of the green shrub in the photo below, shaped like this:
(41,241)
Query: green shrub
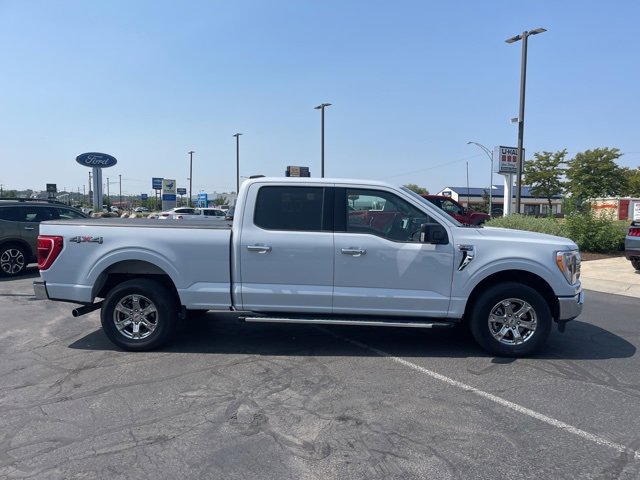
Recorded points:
(591,233)
(551,226)
(595,233)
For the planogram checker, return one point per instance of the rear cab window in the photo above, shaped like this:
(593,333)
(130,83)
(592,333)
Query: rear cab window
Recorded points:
(293,208)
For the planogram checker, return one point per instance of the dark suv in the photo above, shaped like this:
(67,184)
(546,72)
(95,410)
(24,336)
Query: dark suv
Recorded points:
(462,214)
(19,220)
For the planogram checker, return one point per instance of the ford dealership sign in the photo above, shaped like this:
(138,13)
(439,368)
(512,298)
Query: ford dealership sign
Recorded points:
(96,160)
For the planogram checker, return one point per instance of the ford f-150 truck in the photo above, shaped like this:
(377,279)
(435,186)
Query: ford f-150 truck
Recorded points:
(315,251)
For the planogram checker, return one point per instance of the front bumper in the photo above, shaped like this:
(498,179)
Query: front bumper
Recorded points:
(40,289)
(570,307)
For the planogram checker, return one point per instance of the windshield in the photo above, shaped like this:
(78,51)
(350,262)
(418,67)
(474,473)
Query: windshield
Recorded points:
(427,202)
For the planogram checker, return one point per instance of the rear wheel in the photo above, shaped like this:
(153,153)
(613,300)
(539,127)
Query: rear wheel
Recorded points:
(13,260)
(635,261)
(511,320)
(139,315)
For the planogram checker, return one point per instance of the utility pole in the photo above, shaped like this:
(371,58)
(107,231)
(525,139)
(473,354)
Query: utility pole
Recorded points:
(523,81)
(488,152)
(190,174)
(237,135)
(321,107)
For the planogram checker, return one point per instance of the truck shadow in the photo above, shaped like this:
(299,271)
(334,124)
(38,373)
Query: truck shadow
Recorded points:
(222,334)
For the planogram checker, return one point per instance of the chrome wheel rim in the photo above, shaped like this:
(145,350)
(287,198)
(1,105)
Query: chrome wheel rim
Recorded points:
(512,321)
(12,261)
(135,317)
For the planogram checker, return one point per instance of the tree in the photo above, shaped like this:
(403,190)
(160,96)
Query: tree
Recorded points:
(633,182)
(544,175)
(595,173)
(417,189)
(220,200)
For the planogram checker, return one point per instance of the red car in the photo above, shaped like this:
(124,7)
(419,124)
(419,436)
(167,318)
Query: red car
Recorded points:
(462,214)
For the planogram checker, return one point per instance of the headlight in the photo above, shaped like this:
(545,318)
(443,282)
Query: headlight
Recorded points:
(569,264)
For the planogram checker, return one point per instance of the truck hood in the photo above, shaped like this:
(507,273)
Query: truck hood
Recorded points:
(522,236)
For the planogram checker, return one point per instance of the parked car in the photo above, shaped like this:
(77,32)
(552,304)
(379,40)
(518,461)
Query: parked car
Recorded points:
(632,245)
(210,213)
(176,212)
(229,214)
(465,215)
(140,209)
(19,228)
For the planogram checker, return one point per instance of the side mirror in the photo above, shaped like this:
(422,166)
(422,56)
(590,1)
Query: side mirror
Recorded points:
(433,233)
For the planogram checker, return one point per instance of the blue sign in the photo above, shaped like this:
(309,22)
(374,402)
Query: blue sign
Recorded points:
(168,197)
(144,196)
(182,191)
(96,160)
(156,183)
(202,200)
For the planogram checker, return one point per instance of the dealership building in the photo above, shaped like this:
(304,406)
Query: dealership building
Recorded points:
(477,198)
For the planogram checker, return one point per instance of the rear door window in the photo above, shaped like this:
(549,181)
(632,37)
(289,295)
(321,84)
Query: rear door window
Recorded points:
(289,208)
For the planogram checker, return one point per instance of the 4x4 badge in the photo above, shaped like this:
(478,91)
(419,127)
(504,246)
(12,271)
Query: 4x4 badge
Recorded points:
(86,239)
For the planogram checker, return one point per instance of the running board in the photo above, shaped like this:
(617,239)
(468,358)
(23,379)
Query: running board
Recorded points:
(329,321)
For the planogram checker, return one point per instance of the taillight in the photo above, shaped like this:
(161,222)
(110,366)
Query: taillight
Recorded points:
(49,247)
(634,232)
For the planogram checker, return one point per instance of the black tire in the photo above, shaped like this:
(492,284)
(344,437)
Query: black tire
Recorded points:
(635,262)
(498,329)
(139,315)
(13,260)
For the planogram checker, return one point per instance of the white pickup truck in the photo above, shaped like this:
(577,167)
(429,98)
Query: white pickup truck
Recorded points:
(315,251)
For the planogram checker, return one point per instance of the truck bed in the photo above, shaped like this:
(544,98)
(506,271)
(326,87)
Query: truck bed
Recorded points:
(195,255)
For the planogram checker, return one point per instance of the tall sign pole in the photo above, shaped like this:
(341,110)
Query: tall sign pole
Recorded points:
(96,161)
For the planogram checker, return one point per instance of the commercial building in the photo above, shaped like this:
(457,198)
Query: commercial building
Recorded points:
(478,199)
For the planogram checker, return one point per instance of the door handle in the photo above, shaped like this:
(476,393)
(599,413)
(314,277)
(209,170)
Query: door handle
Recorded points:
(29,228)
(259,248)
(356,252)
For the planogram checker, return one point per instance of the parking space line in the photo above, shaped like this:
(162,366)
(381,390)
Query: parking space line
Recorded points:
(499,400)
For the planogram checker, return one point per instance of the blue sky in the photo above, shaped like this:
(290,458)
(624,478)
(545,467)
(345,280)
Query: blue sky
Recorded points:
(410,82)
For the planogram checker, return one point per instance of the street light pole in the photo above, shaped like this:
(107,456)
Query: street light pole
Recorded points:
(321,107)
(120,194)
(523,81)
(488,152)
(190,174)
(237,135)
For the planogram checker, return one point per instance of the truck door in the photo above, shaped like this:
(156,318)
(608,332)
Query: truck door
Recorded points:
(380,265)
(286,249)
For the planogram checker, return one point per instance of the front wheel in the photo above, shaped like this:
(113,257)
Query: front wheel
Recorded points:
(511,320)
(139,315)
(635,262)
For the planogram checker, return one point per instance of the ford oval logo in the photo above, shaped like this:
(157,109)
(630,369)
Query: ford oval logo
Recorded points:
(96,160)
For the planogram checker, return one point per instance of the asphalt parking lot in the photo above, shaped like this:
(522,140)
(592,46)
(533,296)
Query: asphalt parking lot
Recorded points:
(231,400)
